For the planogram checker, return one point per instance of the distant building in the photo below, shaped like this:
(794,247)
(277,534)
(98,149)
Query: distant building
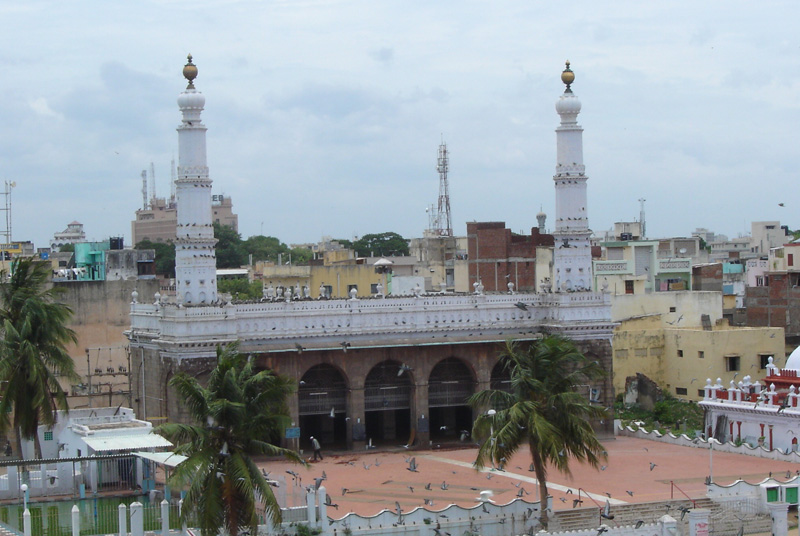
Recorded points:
(635,267)
(497,257)
(71,235)
(159,222)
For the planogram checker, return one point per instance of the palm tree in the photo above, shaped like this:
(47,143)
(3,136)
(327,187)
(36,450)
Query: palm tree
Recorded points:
(33,351)
(239,413)
(541,409)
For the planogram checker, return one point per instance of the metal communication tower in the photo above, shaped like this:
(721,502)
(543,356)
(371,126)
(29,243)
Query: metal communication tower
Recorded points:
(641,215)
(444,223)
(144,189)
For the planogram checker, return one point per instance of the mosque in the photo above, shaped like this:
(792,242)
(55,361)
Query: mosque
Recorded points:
(757,413)
(380,370)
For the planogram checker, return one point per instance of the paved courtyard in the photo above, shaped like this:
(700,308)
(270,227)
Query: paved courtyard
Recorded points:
(367,482)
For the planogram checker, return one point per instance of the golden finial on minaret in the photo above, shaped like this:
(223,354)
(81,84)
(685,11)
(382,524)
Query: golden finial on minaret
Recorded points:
(190,72)
(568,77)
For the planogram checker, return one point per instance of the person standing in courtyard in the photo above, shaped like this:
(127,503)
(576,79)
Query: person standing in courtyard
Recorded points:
(317,449)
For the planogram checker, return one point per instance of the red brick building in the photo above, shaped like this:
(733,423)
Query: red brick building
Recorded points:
(497,256)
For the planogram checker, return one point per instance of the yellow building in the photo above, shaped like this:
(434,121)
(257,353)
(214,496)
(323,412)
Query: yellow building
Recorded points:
(679,343)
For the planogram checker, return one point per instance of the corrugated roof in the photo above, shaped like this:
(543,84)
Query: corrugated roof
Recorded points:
(126,442)
(170,459)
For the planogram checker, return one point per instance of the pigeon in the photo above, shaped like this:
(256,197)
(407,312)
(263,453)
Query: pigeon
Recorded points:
(411,488)
(601,530)
(683,510)
(328,502)
(403,368)
(428,486)
(299,347)
(639,524)
(318,482)
(652,466)
(521,306)
(576,502)
(629,493)
(412,465)
(606,513)
(521,492)
(445,485)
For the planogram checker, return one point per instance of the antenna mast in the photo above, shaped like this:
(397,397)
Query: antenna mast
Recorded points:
(641,215)
(153,181)
(144,189)
(444,225)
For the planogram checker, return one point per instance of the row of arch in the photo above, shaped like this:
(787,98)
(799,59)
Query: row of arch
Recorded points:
(325,396)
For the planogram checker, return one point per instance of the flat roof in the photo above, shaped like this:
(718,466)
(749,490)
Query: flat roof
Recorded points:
(126,442)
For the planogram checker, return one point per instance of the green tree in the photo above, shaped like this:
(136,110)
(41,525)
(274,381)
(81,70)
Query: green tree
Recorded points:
(381,245)
(265,248)
(67,248)
(165,256)
(239,414)
(241,289)
(301,256)
(33,354)
(542,410)
(230,249)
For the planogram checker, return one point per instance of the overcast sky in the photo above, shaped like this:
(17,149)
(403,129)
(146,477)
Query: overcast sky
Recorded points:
(325,117)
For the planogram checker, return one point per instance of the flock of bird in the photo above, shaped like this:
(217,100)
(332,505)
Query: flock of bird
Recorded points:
(431,490)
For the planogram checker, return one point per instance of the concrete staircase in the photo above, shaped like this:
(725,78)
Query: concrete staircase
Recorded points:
(722,520)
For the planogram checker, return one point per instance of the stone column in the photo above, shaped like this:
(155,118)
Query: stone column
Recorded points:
(421,415)
(357,422)
(698,521)
(779,511)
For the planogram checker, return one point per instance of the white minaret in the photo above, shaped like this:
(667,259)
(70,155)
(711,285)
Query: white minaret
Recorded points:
(572,258)
(195,260)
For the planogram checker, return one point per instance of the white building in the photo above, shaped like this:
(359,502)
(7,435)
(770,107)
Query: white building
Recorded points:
(71,235)
(765,413)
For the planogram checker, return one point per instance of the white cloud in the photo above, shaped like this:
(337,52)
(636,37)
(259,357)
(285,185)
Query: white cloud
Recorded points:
(41,107)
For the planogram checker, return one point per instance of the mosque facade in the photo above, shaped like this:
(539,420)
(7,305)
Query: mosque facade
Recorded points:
(760,413)
(391,370)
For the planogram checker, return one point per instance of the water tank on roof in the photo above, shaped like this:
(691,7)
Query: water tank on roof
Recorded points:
(116,242)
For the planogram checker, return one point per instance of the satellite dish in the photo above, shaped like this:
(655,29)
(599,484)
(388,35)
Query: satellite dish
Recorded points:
(682,250)
(13,184)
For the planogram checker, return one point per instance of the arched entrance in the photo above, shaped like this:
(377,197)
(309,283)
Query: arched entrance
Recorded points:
(322,403)
(501,377)
(450,385)
(387,403)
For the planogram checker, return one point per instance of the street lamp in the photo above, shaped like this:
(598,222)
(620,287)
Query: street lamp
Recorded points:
(24,489)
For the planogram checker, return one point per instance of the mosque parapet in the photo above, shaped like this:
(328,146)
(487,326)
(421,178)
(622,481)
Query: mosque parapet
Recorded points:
(578,315)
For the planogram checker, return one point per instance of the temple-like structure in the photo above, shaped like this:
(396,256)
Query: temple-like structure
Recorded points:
(394,370)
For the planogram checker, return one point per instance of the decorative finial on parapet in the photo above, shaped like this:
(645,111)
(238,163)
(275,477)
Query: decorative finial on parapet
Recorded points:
(568,77)
(190,72)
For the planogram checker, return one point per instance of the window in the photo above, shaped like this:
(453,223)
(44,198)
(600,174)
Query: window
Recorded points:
(680,353)
(701,354)
(628,287)
(759,280)
(763,360)
(673,309)
(732,363)
(681,391)
(790,256)
(48,435)
(701,392)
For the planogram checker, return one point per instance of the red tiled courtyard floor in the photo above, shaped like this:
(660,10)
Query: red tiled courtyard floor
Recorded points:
(387,478)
